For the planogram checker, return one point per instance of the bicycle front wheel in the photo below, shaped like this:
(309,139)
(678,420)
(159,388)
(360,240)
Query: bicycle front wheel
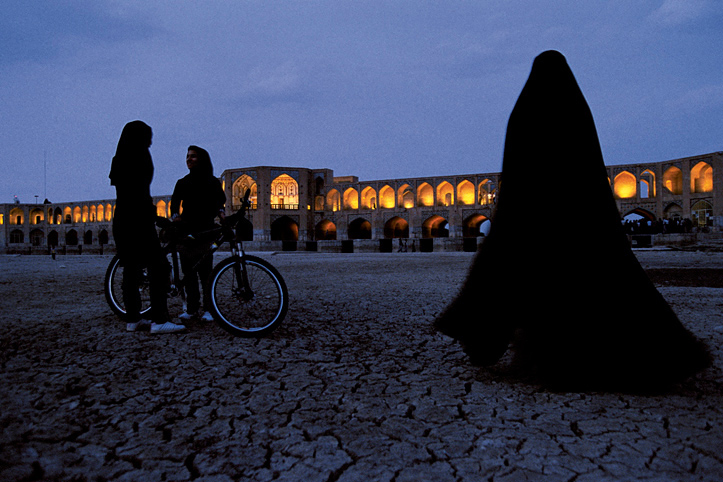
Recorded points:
(248,309)
(114,291)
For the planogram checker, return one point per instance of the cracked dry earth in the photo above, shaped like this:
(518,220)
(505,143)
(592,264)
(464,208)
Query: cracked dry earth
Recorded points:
(355,386)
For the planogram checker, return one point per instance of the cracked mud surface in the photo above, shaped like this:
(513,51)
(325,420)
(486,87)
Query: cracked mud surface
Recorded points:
(355,386)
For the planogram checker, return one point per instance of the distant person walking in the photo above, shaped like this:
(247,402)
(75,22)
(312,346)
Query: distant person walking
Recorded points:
(134,229)
(197,200)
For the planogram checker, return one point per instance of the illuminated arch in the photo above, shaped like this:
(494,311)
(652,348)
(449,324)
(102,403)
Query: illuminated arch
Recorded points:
(325,231)
(161,209)
(36,216)
(425,195)
(76,214)
(369,198)
(702,214)
(487,192)
(435,227)
(445,194)
(673,180)
(351,199)
(239,188)
(701,178)
(101,213)
(624,185)
(50,216)
(85,214)
(333,200)
(108,212)
(396,227)
(386,197)
(405,196)
(465,193)
(284,192)
(16,216)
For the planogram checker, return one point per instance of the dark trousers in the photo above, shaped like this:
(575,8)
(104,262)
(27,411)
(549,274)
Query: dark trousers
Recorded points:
(138,248)
(191,255)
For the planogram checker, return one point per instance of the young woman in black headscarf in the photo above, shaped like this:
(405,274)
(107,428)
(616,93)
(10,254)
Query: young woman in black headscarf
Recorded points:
(134,229)
(197,200)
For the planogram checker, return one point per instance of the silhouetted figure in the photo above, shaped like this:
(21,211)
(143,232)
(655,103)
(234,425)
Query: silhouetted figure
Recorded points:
(203,199)
(580,309)
(134,228)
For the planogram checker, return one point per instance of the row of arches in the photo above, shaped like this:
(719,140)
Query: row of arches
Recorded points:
(626,185)
(407,196)
(67,215)
(436,226)
(284,192)
(71,237)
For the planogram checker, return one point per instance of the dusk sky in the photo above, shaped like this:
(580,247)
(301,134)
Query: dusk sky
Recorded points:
(375,89)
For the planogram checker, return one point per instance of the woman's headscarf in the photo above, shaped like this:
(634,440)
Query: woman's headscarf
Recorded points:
(132,158)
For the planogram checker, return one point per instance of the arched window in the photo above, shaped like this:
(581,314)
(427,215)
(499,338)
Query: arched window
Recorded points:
(76,214)
(85,214)
(624,185)
(405,196)
(284,193)
(702,213)
(369,198)
(333,200)
(487,192)
(16,237)
(647,184)
(108,212)
(701,178)
(351,199)
(161,209)
(425,195)
(445,194)
(673,180)
(16,216)
(238,191)
(386,197)
(465,193)
(36,237)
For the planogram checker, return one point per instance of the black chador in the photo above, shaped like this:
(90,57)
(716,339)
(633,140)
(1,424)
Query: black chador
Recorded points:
(570,293)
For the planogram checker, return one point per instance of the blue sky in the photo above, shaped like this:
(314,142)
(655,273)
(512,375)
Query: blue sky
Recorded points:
(376,89)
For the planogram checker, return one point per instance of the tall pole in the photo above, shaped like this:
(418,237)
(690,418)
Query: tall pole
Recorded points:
(45,174)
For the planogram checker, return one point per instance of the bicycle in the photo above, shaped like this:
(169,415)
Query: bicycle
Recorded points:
(248,295)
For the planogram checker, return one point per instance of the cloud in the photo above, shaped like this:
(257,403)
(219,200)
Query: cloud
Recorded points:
(39,31)
(678,12)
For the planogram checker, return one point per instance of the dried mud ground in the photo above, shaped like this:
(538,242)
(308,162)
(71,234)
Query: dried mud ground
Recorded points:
(355,386)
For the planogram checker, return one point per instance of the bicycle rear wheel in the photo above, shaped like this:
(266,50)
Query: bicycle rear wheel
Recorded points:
(253,310)
(114,291)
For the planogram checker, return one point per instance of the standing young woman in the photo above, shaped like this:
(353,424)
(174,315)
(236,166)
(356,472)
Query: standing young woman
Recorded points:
(134,229)
(197,200)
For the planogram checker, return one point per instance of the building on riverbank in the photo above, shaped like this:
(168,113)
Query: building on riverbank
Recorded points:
(305,208)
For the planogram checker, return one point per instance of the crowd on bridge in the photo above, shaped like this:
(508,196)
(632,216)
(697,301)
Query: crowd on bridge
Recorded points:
(659,226)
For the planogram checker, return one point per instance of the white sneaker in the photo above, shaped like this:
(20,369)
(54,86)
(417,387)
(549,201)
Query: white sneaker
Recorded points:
(166,327)
(140,325)
(185,316)
(207,316)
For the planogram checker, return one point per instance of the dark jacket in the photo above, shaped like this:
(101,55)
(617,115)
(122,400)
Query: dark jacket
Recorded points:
(202,197)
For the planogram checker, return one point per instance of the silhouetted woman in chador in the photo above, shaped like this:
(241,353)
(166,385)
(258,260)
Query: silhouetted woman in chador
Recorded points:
(580,309)
(134,228)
